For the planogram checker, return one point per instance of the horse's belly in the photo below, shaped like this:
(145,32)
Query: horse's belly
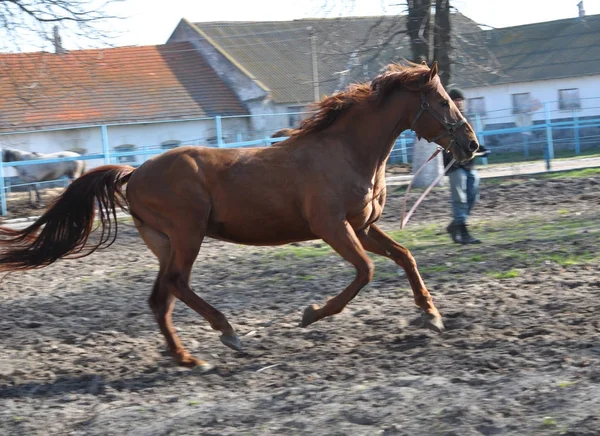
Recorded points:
(259,230)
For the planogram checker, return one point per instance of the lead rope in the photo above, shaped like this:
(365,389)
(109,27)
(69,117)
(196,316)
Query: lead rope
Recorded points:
(429,188)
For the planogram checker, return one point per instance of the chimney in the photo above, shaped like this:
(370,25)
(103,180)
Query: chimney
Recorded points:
(581,10)
(58,48)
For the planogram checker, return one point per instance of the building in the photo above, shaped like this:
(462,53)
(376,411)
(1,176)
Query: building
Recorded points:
(281,67)
(527,73)
(222,82)
(145,97)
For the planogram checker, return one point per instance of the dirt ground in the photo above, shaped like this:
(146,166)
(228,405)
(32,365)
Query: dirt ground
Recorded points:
(81,354)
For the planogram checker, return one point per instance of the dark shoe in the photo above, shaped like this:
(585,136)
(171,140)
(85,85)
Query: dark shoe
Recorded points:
(465,238)
(454,231)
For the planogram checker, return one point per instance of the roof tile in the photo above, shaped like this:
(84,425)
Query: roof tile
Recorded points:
(116,85)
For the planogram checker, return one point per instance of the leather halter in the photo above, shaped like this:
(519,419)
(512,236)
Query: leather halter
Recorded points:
(425,107)
(450,129)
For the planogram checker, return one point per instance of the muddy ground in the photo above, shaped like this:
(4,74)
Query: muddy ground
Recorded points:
(81,354)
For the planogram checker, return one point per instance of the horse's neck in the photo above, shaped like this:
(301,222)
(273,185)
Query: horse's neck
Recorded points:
(371,141)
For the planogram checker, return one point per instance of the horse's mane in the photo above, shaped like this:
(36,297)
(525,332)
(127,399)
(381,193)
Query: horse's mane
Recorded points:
(330,108)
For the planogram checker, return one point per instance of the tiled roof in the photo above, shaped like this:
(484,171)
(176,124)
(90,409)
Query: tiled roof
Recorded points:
(549,50)
(115,85)
(279,53)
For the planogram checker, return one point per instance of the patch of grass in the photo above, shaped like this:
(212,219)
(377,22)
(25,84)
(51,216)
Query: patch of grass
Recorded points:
(563,211)
(565,384)
(564,259)
(303,251)
(510,274)
(570,174)
(434,268)
(477,258)
(549,421)
(567,174)
(306,277)
(420,235)
(125,220)
(504,157)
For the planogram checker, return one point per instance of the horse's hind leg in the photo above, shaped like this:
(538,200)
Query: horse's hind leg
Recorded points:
(161,301)
(186,239)
(376,241)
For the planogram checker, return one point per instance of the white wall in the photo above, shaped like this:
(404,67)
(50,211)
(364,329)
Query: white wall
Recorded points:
(498,98)
(141,135)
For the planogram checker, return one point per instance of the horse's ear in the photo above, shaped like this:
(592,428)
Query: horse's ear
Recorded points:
(433,71)
(423,63)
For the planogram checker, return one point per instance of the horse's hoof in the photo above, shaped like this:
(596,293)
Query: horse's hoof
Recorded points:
(433,322)
(309,315)
(232,341)
(203,367)
(191,362)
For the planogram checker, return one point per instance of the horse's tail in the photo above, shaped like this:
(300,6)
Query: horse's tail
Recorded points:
(68,222)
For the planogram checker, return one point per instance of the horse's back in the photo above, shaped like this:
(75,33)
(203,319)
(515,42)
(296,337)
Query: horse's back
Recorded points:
(50,171)
(249,194)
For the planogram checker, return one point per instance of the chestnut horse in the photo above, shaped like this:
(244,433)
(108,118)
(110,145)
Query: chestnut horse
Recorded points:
(327,181)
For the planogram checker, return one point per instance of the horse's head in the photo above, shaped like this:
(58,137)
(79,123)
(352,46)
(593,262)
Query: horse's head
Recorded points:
(438,120)
(10,155)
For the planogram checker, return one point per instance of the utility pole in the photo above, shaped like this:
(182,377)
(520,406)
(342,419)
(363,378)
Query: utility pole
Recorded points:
(315,63)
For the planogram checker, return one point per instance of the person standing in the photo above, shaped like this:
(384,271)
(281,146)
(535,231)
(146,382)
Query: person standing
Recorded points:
(464,185)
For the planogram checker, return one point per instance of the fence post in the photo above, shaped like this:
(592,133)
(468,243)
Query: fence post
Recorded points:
(2,190)
(481,137)
(219,131)
(550,142)
(403,149)
(576,134)
(105,148)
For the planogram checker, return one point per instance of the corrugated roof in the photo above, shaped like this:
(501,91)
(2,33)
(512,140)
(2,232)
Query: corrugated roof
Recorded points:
(279,53)
(549,50)
(126,84)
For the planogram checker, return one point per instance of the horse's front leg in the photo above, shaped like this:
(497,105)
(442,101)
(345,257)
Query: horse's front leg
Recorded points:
(32,202)
(38,203)
(376,241)
(38,196)
(342,238)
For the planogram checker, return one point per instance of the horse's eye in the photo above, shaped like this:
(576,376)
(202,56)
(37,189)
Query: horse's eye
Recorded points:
(445,103)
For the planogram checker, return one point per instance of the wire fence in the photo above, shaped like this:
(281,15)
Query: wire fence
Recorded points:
(543,135)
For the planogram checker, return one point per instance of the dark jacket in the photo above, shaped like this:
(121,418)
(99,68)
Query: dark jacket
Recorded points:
(468,165)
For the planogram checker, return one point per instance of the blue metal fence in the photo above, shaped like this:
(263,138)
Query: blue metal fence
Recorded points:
(543,136)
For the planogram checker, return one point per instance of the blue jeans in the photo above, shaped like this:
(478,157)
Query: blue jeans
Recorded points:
(464,189)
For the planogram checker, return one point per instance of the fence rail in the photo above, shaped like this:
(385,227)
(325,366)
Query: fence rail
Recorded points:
(571,134)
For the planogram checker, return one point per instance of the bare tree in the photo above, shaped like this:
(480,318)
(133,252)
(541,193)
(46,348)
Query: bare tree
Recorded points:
(430,32)
(27,25)
(442,38)
(418,26)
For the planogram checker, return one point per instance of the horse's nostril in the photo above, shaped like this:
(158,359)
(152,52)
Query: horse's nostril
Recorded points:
(473,146)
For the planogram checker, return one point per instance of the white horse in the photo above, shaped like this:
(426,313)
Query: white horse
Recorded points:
(45,171)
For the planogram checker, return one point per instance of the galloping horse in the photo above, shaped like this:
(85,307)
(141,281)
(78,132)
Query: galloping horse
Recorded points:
(43,172)
(327,181)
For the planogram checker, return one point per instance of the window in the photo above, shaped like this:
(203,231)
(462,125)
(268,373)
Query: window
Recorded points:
(171,143)
(521,103)
(568,99)
(476,106)
(125,148)
(294,119)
